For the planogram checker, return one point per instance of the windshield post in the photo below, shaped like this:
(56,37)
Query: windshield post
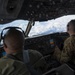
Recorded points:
(29,26)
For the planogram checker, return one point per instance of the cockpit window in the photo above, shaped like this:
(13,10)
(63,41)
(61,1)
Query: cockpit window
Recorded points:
(17,23)
(51,26)
(45,27)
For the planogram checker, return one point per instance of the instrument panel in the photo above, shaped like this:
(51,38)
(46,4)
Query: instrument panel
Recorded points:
(44,44)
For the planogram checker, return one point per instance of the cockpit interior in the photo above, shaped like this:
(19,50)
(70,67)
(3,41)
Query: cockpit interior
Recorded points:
(38,10)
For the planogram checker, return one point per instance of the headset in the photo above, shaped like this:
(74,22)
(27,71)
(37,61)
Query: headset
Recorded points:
(10,28)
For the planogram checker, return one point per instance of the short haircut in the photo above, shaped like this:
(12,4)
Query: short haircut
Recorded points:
(14,39)
(72,22)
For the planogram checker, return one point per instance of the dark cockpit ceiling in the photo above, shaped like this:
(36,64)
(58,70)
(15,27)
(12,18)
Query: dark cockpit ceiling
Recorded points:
(38,10)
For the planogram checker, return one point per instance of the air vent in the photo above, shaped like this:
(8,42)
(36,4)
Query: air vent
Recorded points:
(12,5)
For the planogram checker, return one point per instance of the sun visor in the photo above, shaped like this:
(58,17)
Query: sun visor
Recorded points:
(9,10)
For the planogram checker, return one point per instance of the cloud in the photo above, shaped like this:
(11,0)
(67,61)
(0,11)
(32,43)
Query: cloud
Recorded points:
(46,27)
(51,26)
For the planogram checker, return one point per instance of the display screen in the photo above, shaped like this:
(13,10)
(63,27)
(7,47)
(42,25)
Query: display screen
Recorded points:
(52,42)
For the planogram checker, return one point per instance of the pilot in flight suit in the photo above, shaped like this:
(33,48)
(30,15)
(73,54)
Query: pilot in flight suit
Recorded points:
(13,45)
(12,67)
(68,52)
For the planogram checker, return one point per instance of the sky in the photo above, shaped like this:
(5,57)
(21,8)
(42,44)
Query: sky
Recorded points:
(46,27)
(51,26)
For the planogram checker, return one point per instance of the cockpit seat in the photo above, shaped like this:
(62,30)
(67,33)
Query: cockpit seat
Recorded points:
(37,61)
(61,70)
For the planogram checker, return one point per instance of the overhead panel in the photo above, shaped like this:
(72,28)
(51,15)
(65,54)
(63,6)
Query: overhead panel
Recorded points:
(42,10)
(37,10)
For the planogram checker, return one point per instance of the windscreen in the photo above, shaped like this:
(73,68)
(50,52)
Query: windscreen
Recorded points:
(51,26)
(44,27)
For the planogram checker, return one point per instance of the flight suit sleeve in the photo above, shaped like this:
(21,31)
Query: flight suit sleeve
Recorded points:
(68,50)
